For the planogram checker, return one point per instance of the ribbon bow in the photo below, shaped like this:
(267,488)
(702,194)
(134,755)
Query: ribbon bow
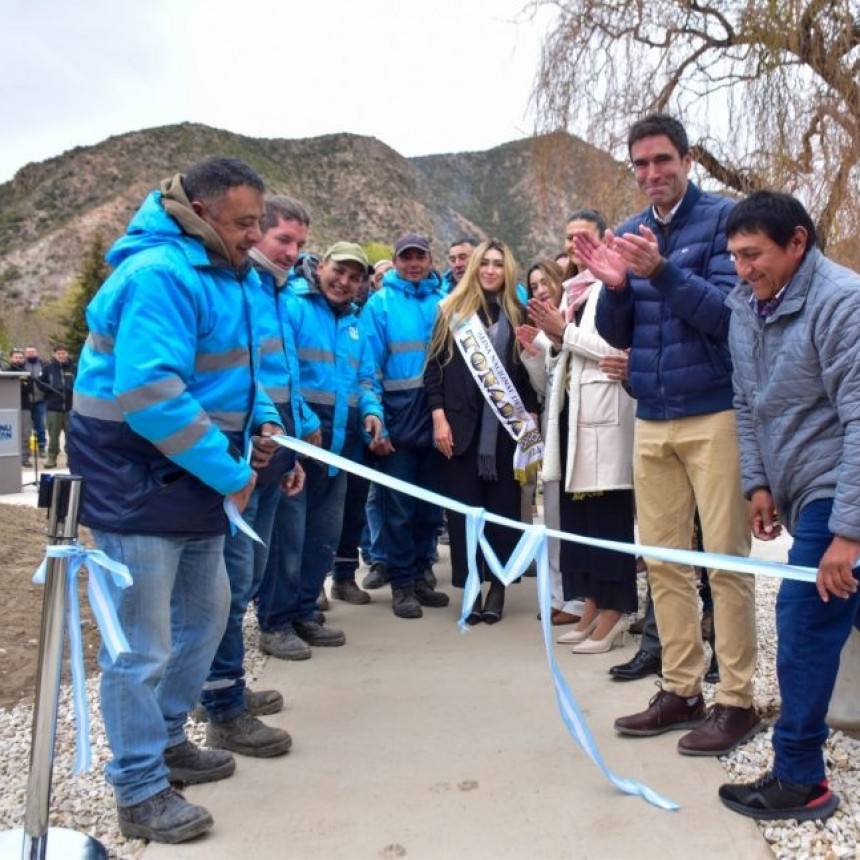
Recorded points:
(98,564)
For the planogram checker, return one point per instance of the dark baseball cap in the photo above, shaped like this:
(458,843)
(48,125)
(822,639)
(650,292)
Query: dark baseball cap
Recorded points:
(411,240)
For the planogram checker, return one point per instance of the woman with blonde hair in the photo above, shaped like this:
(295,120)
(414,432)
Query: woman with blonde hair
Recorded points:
(480,397)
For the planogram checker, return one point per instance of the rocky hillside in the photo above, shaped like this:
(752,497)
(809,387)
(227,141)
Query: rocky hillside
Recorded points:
(355,187)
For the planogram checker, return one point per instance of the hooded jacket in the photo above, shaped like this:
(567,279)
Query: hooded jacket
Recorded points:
(398,320)
(279,364)
(676,323)
(331,353)
(167,389)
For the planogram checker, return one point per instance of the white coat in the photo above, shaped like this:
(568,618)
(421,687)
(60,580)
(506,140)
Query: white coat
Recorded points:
(600,412)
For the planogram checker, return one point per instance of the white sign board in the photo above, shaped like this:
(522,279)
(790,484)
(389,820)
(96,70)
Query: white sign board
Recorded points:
(10,438)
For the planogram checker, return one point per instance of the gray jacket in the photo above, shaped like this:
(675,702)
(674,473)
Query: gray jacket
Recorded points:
(797,392)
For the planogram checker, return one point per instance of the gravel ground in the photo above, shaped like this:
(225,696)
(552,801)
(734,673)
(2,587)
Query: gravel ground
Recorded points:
(85,804)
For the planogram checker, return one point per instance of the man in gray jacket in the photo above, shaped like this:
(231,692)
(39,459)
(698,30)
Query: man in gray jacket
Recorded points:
(795,344)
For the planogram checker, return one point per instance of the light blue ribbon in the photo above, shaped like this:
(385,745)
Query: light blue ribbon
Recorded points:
(237,521)
(113,637)
(234,518)
(533,546)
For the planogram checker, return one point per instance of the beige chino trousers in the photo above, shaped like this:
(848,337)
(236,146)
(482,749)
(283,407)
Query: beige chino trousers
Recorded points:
(681,465)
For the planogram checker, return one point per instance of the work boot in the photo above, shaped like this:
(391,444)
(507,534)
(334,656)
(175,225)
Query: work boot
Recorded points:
(426,596)
(376,577)
(50,464)
(285,645)
(164,817)
(249,736)
(404,603)
(349,592)
(190,765)
(429,576)
(318,634)
(258,703)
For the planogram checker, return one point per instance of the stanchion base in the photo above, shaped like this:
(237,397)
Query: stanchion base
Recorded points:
(61,844)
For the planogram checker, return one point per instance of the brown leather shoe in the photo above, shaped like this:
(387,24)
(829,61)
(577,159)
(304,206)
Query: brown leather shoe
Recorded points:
(559,616)
(724,728)
(665,712)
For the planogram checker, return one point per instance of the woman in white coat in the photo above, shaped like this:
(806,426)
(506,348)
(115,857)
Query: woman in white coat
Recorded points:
(589,448)
(544,282)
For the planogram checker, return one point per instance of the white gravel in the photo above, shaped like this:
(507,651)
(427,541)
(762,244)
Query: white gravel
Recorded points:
(85,803)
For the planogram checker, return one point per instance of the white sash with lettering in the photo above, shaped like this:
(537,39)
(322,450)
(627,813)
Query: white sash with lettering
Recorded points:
(494,383)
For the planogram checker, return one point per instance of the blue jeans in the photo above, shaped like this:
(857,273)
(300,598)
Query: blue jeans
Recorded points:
(374,548)
(409,527)
(224,690)
(38,412)
(174,616)
(305,536)
(346,558)
(810,636)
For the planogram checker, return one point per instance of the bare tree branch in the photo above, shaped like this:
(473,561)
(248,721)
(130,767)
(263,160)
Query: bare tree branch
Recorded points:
(770,88)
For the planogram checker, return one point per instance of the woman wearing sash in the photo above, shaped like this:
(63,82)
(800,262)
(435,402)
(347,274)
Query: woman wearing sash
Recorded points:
(589,448)
(474,350)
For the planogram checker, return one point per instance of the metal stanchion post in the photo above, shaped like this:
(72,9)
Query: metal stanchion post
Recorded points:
(37,841)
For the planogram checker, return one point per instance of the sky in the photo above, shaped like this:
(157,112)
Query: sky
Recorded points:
(423,76)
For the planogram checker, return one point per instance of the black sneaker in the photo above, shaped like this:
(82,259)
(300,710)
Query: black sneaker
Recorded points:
(190,765)
(769,799)
(164,817)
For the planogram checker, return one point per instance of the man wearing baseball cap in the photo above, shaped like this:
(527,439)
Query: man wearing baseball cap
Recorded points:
(398,321)
(332,352)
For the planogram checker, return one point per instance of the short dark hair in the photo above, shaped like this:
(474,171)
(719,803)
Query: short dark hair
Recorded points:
(286,209)
(659,123)
(773,213)
(590,215)
(209,180)
(464,240)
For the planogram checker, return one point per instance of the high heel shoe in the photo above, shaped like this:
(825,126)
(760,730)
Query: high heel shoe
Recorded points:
(494,604)
(578,635)
(612,639)
(474,617)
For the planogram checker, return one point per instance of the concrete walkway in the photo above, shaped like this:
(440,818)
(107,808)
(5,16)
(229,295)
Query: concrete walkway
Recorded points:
(415,740)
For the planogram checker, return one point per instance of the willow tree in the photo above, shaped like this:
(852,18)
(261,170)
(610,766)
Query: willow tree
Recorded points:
(769,89)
